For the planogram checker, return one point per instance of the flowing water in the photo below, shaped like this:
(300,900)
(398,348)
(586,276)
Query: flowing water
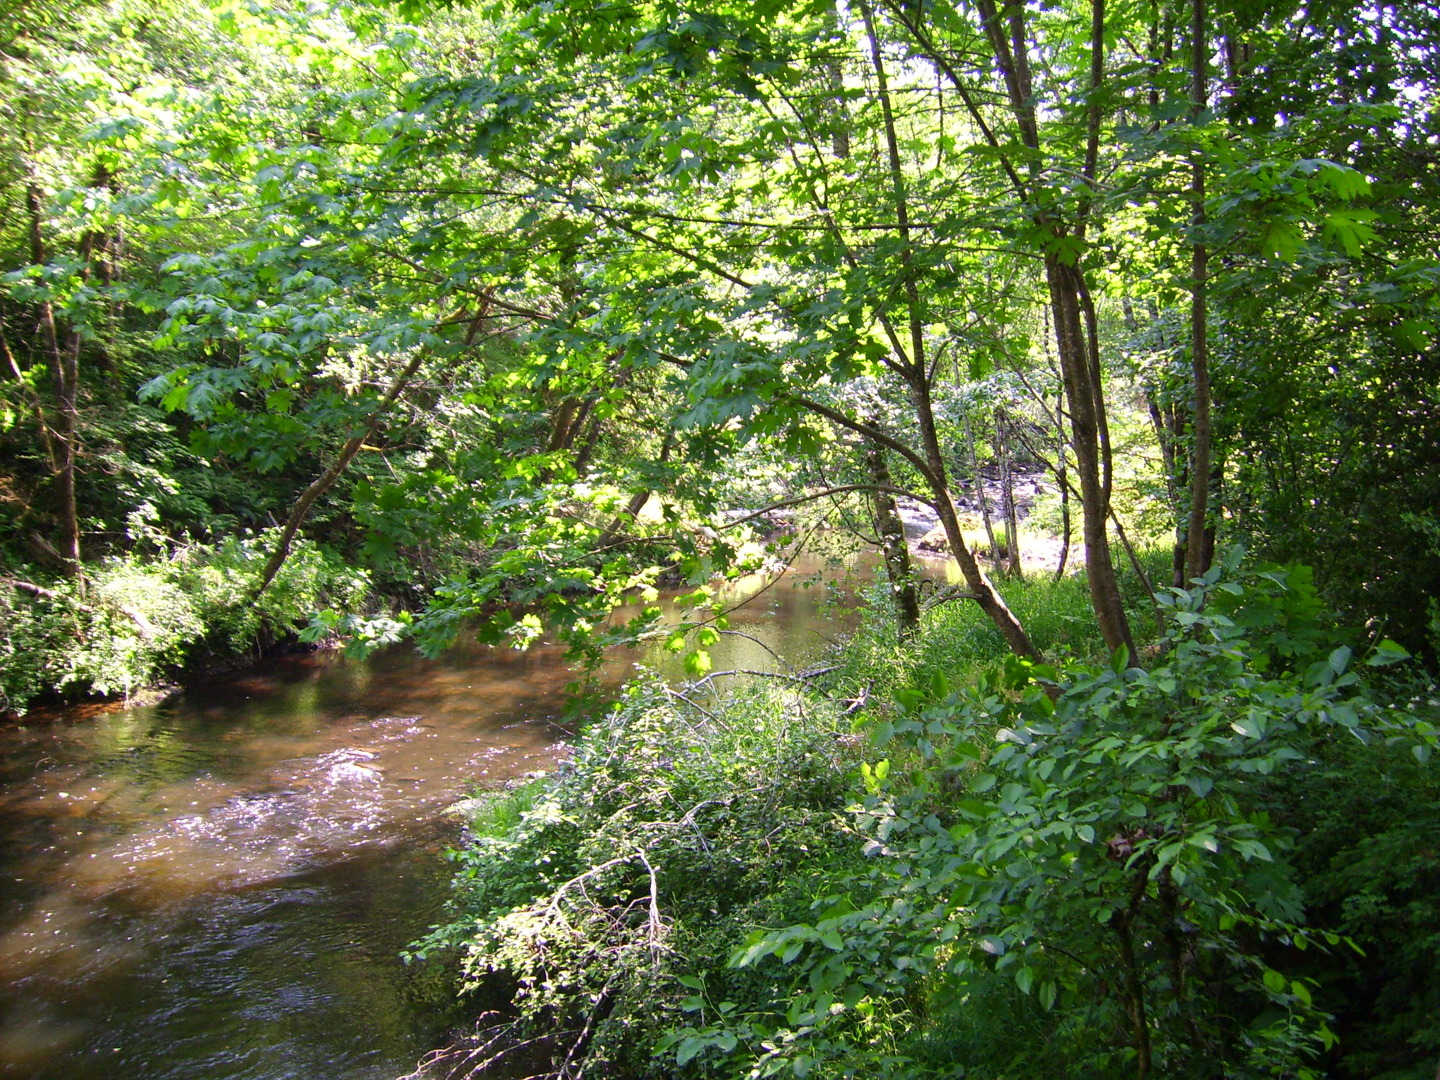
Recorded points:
(219,886)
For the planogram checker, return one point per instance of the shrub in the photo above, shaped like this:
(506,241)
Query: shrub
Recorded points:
(138,620)
(644,861)
(1097,840)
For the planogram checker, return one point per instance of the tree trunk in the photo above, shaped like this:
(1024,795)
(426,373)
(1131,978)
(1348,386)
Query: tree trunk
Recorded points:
(980,495)
(1197,558)
(904,587)
(64,358)
(1069,299)
(1082,395)
(915,371)
(1063,480)
(1007,491)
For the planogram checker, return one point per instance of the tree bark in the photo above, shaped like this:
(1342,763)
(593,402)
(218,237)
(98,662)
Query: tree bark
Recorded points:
(1080,393)
(1197,558)
(899,572)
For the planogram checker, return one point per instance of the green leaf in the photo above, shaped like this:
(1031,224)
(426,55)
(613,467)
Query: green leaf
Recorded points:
(1200,785)
(688,1049)
(1048,992)
(1386,653)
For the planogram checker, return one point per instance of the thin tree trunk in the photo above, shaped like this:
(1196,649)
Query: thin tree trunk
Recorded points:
(898,570)
(1072,312)
(1007,490)
(980,496)
(1196,557)
(917,375)
(588,444)
(1080,392)
(1062,477)
(327,479)
(65,376)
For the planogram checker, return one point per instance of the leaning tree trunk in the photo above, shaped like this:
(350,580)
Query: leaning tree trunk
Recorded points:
(326,480)
(915,371)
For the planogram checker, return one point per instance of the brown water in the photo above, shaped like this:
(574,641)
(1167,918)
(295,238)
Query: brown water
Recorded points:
(219,886)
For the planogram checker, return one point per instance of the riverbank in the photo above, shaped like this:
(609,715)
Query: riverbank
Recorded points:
(934,861)
(221,884)
(138,623)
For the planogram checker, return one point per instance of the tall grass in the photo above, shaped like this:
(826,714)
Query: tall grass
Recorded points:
(958,642)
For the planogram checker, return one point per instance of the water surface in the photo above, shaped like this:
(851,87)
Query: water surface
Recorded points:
(219,886)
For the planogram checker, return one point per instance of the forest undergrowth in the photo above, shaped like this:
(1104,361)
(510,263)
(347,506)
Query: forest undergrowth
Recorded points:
(947,862)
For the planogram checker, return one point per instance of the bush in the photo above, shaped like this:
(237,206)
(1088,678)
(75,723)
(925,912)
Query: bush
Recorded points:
(1098,841)
(639,866)
(139,620)
(1089,870)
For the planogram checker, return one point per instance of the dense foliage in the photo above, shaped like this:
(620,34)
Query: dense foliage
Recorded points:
(402,321)
(1088,870)
(461,296)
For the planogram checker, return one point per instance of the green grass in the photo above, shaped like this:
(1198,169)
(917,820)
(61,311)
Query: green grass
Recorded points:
(957,641)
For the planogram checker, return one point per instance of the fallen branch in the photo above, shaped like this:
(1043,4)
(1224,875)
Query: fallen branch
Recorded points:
(30,587)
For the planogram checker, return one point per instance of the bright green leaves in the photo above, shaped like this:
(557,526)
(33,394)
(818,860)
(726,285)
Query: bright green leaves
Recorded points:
(1051,835)
(1286,207)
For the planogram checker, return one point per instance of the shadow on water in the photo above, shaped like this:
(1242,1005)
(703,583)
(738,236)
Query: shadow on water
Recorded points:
(219,886)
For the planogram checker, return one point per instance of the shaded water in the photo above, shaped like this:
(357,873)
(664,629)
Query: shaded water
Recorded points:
(218,886)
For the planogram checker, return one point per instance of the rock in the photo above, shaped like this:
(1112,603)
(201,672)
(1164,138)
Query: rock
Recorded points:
(934,540)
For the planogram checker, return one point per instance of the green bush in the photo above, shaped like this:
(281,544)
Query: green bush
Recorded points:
(1099,841)
(138,620)
(610,905)
(1088,870)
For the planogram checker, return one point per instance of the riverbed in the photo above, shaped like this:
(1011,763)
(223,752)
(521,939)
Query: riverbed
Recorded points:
(218,887)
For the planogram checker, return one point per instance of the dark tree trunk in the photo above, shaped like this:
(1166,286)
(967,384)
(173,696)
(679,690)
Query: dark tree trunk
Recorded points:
(64,360)
(1197,549)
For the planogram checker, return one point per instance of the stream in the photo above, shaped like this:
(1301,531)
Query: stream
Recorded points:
(219,886)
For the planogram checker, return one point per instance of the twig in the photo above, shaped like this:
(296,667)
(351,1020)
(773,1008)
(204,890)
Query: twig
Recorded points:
(797,500)
(751,637)
(672,692)
(657,922)
(800,678)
